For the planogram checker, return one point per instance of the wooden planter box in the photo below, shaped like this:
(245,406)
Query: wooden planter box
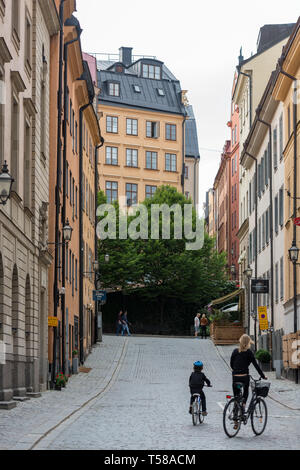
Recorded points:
(226,334)
(289,343)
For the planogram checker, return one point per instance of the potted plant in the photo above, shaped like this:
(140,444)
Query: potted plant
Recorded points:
(75,362)
(264,358)
(60,381)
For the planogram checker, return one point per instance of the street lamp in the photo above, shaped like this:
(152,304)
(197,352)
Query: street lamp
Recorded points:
(248,273)
(6,182)
(67,232)
(294,253)
(96,266)
(106,258)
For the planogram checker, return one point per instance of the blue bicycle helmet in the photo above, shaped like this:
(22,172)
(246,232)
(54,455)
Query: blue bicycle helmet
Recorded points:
(198,364)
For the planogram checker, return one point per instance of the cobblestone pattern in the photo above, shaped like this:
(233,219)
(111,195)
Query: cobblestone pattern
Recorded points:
(147,406)
(21,427)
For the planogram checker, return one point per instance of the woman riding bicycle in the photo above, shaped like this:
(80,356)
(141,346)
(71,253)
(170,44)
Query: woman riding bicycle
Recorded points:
(240,361)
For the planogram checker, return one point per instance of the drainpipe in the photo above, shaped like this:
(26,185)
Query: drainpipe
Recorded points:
(270,214)
(197,160)
(295,80)
(98,329)
(81,247)
(183,152)
(63,300)
(256,245)
(58,182)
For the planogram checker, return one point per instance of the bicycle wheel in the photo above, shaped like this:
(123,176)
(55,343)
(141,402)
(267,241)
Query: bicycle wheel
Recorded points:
(259,416)
(195,413)
(232,418)
(201,417)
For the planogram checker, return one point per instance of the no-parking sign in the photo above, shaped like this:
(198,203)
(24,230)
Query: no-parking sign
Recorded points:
(263,318)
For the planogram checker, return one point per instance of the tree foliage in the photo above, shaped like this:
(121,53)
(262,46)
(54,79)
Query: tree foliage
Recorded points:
(159,270)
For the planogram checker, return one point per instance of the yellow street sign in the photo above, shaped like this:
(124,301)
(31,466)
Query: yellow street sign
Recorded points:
(263,318)
(53,321)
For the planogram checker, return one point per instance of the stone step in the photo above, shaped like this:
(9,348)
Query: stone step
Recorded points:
(7,405)
(21,399)
(33,395)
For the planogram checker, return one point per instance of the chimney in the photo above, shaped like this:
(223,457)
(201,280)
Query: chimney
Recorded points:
(126,55)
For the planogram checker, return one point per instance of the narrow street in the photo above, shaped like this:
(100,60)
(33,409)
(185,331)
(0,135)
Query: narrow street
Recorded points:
(142,403)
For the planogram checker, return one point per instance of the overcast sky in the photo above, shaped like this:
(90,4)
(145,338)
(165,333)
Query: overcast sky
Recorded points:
(198,40)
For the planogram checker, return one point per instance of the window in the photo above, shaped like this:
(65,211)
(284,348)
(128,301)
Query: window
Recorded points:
(289,121)
(186,172)
(111,156)
(112,124)
(276,214)
(131,127)
(76,202)
(267,227)
(151,160)
(266,160)
(275,151)
(76,274)
(16,19)
(132,157)
(170,132)
(151,71)
(114,89)
(15,142)
(259,235)
(28,41)
(276,283)
(137,88)
(152,129)
(263,232)
(2,115)
(150,191)
(232,169)
(131,194)
(160,92)
(43,120)
(281,137)
(71,115)
(73,276)
(281,279)
(111,189)
(171,162)
(281,207)
(27,164)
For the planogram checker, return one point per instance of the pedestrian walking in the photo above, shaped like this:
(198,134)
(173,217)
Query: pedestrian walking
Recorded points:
(125,324)
(119,323)
(197,324)
(203,325)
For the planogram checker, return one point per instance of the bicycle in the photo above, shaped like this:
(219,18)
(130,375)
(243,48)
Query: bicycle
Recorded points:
(197,413)
(234,413)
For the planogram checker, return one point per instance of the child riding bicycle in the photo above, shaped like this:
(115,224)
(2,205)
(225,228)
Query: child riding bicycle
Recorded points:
(196,384)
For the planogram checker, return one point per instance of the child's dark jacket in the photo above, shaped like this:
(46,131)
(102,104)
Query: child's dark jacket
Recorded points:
(197,381)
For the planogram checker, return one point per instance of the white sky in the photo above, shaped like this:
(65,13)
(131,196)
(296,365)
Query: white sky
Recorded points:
(198,40)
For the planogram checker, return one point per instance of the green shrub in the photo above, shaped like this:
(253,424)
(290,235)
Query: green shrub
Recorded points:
(263,356)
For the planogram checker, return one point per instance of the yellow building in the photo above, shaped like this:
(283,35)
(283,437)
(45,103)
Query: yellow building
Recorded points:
(285,85)
(143,123)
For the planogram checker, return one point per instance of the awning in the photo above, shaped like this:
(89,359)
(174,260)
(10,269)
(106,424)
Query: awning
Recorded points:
(227,297)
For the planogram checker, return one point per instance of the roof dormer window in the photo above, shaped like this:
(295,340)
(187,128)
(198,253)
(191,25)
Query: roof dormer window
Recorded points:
(114,89)
(151,71)
(160,92)
(137,88)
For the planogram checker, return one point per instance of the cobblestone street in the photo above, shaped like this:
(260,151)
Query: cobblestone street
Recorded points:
(140,385)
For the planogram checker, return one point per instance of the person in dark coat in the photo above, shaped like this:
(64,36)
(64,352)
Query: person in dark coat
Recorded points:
(196,384)
(119,323)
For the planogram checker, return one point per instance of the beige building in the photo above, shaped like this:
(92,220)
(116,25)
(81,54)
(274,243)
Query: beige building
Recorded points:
(25,30)
(147,126)
(253,75)
(284,91)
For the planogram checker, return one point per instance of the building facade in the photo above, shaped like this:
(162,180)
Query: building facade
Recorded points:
(286,91)
(253,75)
(73,141)
(26,28)
(144,121)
